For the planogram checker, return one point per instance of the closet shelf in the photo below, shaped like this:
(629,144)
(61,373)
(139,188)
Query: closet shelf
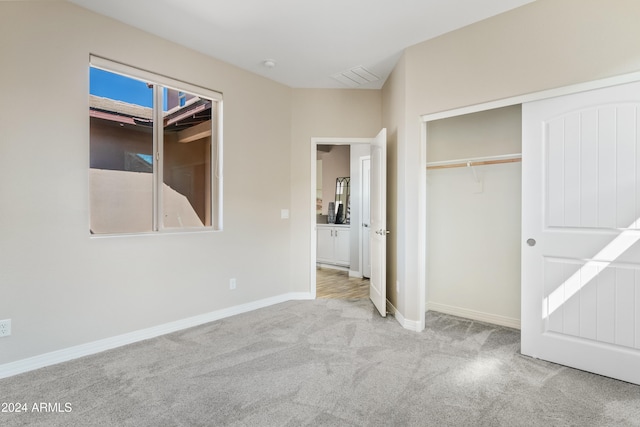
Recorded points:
(476,161)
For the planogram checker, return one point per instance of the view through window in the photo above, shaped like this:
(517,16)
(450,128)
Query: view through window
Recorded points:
(154,155)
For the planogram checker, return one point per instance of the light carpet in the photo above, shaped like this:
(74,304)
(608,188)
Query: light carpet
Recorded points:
(321,363)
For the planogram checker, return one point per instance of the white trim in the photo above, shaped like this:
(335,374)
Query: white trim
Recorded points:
(217,173)
(152,77)
(331,266)
(158,160)
(535,96)
(474,315)
(356,274)
(411,325)
(75,352)
(314,212)
(422,230)
(340,141)
(297,296)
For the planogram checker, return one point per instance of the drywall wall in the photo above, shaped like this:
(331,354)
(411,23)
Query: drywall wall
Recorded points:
(539,46)
(393,116)
(63,287)
(474,221)
(542,45)
(486,133)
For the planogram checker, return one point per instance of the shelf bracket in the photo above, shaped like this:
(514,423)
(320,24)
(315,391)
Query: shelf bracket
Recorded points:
(473,170)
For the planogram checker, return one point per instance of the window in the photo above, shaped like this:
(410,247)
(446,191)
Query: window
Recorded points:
(155,152)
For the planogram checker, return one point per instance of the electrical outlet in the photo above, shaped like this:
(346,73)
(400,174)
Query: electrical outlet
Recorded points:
(232,283)
(5,328)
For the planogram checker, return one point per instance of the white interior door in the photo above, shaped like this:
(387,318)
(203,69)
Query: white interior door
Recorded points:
(378,214)
(365,169)
(581,231)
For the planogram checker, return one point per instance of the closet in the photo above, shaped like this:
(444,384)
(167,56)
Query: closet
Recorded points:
(474,215)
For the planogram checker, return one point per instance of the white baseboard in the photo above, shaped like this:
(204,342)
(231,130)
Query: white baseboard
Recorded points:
(474,315)
(298,296)
(64,355)
(355,274)
(332,266)
(411,325)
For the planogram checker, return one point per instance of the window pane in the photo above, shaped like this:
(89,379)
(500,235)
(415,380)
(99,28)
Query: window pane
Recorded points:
(121,153)
(186,189)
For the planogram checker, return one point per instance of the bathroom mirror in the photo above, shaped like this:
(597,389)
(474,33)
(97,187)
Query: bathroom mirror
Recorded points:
(343,185)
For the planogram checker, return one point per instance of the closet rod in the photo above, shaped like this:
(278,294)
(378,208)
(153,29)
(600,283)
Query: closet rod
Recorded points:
(478,161)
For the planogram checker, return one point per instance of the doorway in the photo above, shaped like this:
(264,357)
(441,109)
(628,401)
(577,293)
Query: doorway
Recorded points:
(360,147)
(339,220)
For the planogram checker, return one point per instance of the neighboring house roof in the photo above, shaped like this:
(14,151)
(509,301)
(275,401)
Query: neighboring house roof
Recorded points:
(119,107)
(196,110)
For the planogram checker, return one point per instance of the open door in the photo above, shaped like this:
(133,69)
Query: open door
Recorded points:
(378,214)
(581,231)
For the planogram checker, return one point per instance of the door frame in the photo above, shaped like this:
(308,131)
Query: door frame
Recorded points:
(315,141)
(505,102)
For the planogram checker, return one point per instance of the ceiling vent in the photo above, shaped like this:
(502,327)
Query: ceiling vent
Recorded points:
(356,77)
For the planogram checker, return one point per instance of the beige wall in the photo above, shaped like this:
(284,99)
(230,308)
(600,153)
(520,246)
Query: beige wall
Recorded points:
(393,116)
(486,133)
(321,113)
(62,287)
(542,45)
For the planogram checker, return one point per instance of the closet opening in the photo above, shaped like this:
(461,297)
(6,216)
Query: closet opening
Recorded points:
(474,192)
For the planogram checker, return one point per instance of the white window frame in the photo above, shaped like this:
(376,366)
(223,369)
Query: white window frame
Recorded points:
(160,82)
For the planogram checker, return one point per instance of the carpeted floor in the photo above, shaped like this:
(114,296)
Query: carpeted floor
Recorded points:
(321,363)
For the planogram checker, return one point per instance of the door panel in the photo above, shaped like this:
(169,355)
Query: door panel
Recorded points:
(342,245)
(366,216)
(378,214)
(581,209)
(325,249)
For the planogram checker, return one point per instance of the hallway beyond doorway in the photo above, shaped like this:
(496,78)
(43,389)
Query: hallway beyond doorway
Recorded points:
(337,284)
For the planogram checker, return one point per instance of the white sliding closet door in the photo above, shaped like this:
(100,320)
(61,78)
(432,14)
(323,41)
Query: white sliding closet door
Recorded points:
(581,231)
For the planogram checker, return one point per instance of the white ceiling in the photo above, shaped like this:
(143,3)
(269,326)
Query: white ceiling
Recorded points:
(309,40)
